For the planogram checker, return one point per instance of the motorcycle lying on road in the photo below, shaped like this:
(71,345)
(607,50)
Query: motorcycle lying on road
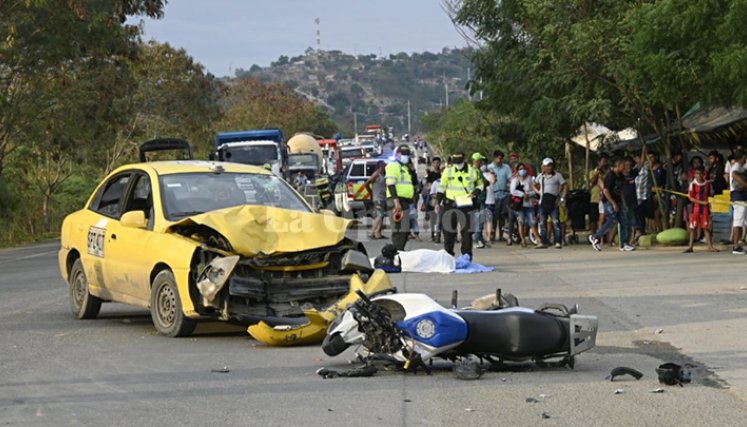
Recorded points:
(411,329)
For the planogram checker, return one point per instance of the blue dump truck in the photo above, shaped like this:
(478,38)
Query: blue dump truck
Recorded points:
(254,147)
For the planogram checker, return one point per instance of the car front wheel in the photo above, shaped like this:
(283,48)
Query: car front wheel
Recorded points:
(82,303)
(166,307)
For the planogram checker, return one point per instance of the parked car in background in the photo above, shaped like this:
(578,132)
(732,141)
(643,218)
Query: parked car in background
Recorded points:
(351,185)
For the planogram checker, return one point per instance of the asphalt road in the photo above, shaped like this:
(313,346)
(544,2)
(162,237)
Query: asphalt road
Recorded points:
(115,370)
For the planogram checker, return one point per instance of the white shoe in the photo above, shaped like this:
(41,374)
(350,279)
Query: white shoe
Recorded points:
(627,248)
(595,243)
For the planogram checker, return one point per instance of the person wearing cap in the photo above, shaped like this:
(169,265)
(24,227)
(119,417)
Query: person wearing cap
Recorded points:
(503,176)
(460,185)
(478,162)
(552,190)
(400,191)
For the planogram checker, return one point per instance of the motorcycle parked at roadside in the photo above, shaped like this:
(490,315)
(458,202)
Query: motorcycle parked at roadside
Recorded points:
(411,329)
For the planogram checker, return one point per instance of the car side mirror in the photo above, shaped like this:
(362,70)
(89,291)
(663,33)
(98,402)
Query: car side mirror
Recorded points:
(327,212)
(134,219)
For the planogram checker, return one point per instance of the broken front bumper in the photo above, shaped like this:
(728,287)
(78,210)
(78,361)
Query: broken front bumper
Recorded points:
(316,328)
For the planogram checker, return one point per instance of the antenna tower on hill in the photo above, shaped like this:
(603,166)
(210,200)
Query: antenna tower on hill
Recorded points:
(318,35)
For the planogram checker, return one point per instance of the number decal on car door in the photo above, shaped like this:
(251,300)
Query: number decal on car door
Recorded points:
(96,241)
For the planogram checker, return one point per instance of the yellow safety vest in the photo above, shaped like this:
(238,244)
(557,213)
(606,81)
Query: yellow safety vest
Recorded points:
(399,176)
(455,183)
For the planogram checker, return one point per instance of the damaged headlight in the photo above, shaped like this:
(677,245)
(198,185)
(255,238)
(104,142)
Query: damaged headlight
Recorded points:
(214,277)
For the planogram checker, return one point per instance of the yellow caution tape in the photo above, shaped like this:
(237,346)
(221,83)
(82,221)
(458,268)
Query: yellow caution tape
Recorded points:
(710,199)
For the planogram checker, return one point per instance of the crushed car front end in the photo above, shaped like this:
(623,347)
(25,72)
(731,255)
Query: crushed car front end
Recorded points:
(289,285)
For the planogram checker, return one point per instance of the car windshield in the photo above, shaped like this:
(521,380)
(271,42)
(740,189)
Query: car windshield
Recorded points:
(303,160)
(351,154)
(256,155)
(188,194)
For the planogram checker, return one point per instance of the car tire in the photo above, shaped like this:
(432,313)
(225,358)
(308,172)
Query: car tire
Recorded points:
(166,307)
(82,303)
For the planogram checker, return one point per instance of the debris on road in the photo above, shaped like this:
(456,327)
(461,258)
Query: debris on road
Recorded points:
(673,374)
(545,396)
(467,369)
(545,415)
(619,391)
(658,331)
(363,371)
(222,370)
(532,400)
(469,409)
(657,390)
(624,370)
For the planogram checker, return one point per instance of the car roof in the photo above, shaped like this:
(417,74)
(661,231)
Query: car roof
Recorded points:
(192,166)
(369,160)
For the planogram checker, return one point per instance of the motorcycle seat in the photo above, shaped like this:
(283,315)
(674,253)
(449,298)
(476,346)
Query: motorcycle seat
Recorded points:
(514,332)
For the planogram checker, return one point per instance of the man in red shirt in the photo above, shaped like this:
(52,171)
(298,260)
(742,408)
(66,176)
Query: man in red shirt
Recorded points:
(700,216)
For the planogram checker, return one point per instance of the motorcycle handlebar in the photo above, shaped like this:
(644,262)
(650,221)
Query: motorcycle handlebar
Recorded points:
(363,296)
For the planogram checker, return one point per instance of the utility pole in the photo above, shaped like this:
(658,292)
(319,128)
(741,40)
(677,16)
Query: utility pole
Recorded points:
(446,91)
(409,127)
(469,77)
(355,122)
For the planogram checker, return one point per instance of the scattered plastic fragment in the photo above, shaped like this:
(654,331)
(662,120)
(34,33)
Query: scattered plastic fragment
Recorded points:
(658,331)
(222,370)
(545,415)
(619,391)
(657,390)
(407,400)
(469,409)
(624,370)
(545,396)
(532,400)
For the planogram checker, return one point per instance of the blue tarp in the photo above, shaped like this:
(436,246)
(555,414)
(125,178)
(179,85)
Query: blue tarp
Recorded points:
(465,265)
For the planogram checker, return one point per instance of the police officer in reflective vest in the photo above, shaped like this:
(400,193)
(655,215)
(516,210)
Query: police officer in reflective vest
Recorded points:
(460,184)
(400,191)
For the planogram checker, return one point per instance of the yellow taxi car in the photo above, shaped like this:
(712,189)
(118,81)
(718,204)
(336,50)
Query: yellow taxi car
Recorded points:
(192,240)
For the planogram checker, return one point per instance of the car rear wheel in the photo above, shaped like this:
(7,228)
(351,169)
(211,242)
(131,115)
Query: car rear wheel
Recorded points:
(82,303)
(166,307)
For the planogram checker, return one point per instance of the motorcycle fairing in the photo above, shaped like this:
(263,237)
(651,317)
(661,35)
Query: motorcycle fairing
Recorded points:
(427,321)
(439,329)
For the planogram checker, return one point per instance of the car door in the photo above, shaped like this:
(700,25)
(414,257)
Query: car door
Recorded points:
(128,263)
(101,223)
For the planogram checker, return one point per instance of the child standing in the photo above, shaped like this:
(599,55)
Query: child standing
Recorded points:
(700,214)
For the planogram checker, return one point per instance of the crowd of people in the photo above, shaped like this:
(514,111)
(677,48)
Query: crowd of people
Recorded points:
(476,201)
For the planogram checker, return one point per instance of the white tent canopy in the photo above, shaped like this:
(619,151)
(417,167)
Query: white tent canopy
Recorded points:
(595,135)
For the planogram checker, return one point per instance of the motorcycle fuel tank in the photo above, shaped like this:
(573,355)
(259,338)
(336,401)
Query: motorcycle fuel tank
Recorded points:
(428,322)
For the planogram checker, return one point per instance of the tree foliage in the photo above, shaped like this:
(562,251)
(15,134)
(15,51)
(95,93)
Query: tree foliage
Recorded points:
(251,104)
(554,64)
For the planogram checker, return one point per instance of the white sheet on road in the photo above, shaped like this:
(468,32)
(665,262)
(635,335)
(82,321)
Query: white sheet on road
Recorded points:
(426,261)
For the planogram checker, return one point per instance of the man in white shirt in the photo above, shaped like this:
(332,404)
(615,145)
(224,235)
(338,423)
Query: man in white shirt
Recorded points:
(552,189)
(738,187)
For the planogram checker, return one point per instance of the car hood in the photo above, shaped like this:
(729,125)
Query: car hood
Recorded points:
(254,230)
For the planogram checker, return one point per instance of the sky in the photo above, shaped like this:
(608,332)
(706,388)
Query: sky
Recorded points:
(224,35)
